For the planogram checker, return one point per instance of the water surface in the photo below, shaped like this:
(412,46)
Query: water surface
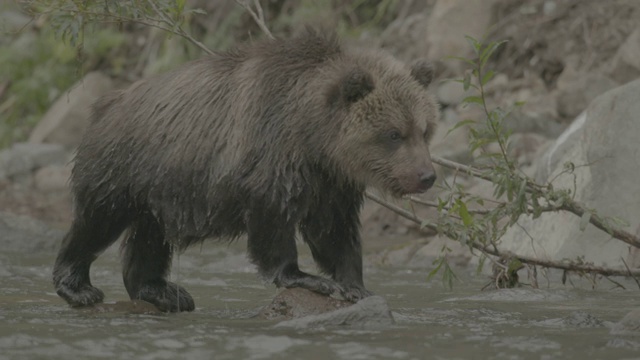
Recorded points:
(432,322)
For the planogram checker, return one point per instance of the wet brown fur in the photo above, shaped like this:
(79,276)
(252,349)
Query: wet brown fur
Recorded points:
(264,139)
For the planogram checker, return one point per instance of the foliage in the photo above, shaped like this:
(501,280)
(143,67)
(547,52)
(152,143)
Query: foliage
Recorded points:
(479,223)
(351,18)
(39,69)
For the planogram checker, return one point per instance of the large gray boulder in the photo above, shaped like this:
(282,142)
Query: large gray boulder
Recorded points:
(67,119)
(604,145)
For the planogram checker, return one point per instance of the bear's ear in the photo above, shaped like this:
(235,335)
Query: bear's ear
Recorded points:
(422,71)
(353,86)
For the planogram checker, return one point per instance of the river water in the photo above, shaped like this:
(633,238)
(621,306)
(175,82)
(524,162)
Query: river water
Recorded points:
(432,322)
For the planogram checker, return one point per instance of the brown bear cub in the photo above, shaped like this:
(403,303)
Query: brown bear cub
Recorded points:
(262,140)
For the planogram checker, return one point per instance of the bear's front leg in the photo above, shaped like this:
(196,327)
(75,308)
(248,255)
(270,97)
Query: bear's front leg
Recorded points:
(272,248)
(332,230)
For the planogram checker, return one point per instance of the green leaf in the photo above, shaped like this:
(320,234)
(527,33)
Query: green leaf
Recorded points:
(472,100)
(584,220)
(448,275)
(475,44)
(179,7)
(487,77)
(466,82)
(460,124)
(467,220)
(514,265)
(488,51)
(433,272)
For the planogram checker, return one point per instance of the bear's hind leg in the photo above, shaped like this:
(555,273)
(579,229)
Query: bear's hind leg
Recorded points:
(146,265)
(89,236)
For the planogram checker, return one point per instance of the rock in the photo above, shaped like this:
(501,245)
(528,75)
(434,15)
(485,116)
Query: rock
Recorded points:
(527,148)
(53,178)
(576,90)
(625,65)
(406,37)
(538,110)
(603,144)
(297,302)
(537,115)
(451,93)
(581,319)
(453,144)
(23,158)
(450,21)
(24,234)
(629,325)
(372,311)
(67,119)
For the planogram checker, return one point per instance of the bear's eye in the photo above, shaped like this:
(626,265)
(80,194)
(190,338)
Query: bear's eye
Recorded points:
(394,135)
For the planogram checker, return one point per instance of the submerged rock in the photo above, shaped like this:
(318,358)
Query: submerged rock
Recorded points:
(629,325)
(581,319)
(296,302)
(371,311)
(300,308)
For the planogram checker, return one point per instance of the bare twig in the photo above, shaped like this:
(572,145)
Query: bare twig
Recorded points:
(469,170)
(597,221)
(629,271)
(407,214)
(257,15)
(436,205)
(178,29)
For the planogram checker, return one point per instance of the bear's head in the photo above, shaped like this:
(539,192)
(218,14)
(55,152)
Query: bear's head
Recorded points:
(387,119)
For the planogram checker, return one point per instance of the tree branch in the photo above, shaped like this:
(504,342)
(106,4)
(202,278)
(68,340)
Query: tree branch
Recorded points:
(257,15)
(568,266)
(167,20)
(597,221)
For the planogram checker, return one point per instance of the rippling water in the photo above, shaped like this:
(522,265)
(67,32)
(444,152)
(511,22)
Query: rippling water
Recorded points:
(431,321)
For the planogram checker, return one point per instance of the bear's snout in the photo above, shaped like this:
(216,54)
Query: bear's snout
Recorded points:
(427,179)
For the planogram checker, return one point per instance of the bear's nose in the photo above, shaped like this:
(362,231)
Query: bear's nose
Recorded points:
(427,179)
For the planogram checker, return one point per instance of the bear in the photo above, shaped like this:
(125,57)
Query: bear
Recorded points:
(271,139)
